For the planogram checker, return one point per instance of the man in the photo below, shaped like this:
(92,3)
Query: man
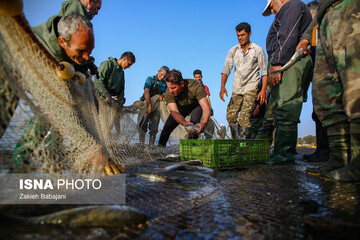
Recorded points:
(288,88)
(87,8)
(336,86)
(248,58)
(48,37)
(75,42)
(111,80)
(184,97)
(111,83)
(209,130)
(322,152)
(154,85)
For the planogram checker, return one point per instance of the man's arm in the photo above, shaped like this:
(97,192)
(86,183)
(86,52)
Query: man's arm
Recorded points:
(223,90)
(100,82)
(147,99)
(262,93)
(205,115)
(228,65)
(174,111)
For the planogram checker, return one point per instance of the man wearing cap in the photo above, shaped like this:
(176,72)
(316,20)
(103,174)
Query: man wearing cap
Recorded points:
(248,59)
(335,88)
(288,88)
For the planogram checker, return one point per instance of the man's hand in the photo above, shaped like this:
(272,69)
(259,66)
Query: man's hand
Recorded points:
(304,43)
(277,79)
(256,111)
(222,91)
(202,126)
(262,97)
(149,109)
(161,97)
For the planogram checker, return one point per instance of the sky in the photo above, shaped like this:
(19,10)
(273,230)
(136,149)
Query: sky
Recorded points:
(183,35)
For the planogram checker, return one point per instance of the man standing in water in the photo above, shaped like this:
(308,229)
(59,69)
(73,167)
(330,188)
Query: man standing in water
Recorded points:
(248,59)
(289,87)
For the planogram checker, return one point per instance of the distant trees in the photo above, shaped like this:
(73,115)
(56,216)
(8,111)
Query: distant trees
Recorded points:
(310,140)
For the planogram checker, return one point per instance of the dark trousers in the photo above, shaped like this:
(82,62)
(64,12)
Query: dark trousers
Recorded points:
(171,124)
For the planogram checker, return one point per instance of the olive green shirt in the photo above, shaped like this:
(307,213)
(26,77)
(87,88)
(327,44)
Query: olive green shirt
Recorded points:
(73,6)
(111,80)
(189,98)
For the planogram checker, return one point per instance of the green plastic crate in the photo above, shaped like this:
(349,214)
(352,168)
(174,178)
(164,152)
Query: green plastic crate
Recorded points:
(223,152)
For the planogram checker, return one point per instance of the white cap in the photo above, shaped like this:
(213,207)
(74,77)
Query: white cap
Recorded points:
(267,10)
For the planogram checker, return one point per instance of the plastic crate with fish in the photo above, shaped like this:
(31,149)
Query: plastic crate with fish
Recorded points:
(225,153)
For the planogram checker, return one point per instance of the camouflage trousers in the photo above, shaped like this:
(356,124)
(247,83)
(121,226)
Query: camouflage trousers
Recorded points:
(243,104)
(336,84)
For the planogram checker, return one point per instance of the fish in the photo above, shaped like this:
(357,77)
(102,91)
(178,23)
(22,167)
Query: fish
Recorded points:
(152,177)
(192,127)
(296,57)
(175,167)
(89,216)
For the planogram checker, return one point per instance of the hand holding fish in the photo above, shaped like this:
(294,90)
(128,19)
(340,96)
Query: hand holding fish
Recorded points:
(275,77)
(303,44)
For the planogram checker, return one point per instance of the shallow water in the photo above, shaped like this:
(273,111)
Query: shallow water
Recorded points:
(254,202)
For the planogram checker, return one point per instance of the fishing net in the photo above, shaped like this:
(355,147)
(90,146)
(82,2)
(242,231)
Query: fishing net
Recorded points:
(61,124)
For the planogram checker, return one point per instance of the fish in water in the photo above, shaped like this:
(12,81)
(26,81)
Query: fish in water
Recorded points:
(90,216)
(192,128)
(296,57)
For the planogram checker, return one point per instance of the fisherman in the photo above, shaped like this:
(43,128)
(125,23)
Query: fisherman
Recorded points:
(110,84)
(248,58)
(288,88)
(75,43)
(209,130)
(336,86)
(184,97)
(322,152)
(154,85)
(111,80)
(86,8)
(48,37)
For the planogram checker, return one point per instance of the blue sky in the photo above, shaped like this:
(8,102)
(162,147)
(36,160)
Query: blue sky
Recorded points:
(184,35)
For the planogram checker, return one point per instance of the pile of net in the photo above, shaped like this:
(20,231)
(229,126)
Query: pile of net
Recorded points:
(30,87)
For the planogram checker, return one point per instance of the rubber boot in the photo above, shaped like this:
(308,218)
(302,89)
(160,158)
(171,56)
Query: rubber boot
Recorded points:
(244,132)
(285,143)
(31,137)
(350,172)
(266,132)
(339,154)
(234,128)
(322,152)
(152,139)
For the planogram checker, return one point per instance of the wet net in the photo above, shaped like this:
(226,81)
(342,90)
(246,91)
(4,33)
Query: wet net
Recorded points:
(59,124)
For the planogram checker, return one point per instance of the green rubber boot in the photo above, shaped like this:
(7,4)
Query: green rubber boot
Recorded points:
(339,140)
(285,143)
(350,172)
(31,137)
